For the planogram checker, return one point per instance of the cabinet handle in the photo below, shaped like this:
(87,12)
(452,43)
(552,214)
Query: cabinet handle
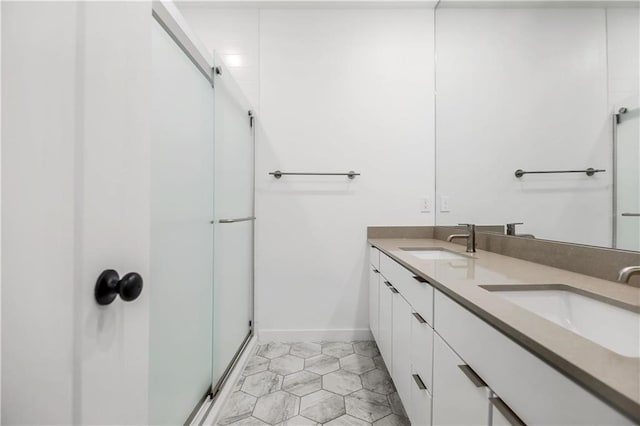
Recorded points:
(391,287)
(376,271)
(473,376)
(420,279)
(419,382)
(419,318)
(508,414)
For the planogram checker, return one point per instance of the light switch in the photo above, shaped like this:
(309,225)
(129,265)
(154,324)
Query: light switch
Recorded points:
(425,205)
(444,204)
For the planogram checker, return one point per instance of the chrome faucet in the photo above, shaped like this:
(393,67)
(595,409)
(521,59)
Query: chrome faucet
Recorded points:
(471,237)
(511,230)
(625,273)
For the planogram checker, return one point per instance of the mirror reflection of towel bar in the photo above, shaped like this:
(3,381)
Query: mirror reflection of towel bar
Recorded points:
(590,172)
(278,174)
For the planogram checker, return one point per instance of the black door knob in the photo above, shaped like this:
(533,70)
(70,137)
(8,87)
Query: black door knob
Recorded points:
(109,285)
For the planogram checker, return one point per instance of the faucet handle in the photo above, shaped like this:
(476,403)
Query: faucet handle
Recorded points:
(511,227)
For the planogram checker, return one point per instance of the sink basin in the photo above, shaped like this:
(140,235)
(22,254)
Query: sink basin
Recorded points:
(434,253)
(607,322)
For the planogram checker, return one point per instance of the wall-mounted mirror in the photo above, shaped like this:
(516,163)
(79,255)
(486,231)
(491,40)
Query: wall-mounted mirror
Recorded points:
(535,87)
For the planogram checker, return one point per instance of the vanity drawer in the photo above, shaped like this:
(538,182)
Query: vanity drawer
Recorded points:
(374,257)
(532,389)
(416,290)
(422,350)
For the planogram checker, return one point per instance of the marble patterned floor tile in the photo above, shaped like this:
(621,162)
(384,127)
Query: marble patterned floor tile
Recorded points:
(255,365)
(393,420)
(277,407)
(321,364)
(249,421)
(378,381)
(357,364)
(286,364)
(302,383)
(274,350)
(366,405)
(396,404)
(337,349)
(366,348)
(305,350)
(341,382)
(262,383)
(239,406)
(298,421)
(347,420)
(322,406)
(379,362)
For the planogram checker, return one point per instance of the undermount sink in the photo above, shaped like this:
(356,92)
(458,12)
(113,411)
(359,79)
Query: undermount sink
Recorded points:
(434,253)
(608,323)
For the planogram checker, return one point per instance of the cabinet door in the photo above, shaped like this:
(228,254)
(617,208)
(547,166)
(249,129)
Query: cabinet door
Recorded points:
(401,347)
(419,409)
(459,396)
(374,301)
(385,319)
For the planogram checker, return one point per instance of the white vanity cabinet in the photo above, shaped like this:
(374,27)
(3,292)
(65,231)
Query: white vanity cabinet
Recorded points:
(452,368)
(385,321)
(374,301)
(401,346)
(460,397)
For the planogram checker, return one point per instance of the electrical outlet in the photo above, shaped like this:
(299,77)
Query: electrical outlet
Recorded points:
(425,205)
(444,204)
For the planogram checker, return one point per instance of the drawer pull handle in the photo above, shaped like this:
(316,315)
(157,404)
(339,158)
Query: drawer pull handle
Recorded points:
(376,271)
(419,318)
(419,382)
(506,412)
(420,279)
(473,376)
(391,287)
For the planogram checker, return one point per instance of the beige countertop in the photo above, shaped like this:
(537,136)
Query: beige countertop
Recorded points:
(608,375)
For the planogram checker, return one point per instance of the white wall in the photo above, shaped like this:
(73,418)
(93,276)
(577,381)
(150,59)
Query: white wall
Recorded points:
(524,89)
(339,90)
(235,35)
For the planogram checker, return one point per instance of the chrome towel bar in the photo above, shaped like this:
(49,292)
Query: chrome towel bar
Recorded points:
(239,219)
(590,172)
(278,174)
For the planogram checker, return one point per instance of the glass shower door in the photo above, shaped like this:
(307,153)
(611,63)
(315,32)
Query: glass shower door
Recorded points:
(627,197)
(234,223)
(181,281)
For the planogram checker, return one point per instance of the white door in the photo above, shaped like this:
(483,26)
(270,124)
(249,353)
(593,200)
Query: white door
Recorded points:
(75,201)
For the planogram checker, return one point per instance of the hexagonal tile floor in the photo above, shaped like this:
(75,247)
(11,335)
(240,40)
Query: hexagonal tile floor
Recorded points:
(315,383)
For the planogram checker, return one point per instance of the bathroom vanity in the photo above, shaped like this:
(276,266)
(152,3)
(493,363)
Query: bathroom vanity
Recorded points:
(487,339)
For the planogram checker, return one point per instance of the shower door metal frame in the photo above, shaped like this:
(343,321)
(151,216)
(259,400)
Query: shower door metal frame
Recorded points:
(169,18)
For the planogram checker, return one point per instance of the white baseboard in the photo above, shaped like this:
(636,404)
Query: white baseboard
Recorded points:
(227,389)
(296,335)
